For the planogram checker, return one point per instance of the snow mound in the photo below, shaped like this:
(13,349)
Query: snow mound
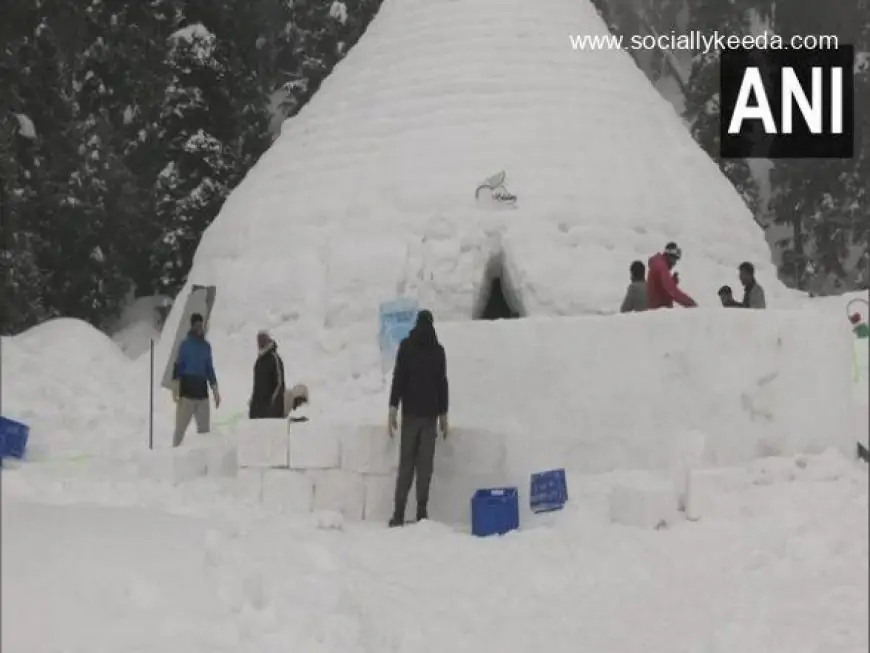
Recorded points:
(370,190)
(72,385)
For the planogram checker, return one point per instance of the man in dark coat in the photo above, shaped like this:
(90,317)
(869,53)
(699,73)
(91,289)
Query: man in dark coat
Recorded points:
(420,386)
(267,398)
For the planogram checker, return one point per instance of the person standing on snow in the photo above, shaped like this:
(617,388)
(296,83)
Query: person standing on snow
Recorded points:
(753,294)
(267,397)
(661,284)
(420,386)
(193,373)
(635,294)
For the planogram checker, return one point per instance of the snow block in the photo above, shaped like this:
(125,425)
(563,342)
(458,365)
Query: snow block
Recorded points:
(314,448)
(175,466)
(689,450)
(338,491)
(223,459)
(559,405)
(450,495)
(380,491)
(644,502)
(248,485)
(714,493)
(471,451)
(368,449)
(263,443)
(287,491)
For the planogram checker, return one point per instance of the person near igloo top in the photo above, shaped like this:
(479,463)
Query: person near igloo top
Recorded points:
(661,286)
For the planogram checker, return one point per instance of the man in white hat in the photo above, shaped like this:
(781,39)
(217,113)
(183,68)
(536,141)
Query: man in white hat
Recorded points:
(661,286)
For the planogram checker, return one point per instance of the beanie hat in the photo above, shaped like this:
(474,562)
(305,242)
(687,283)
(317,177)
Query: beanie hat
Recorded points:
(425,317)
(671,249)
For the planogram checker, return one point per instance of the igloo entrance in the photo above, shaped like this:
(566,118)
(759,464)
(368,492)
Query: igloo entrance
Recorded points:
(498,300)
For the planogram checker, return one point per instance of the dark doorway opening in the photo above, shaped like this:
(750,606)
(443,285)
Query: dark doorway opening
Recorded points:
(498,300)
(497,306)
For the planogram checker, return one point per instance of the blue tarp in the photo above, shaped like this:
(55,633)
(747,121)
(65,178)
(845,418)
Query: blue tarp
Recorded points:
(396,319)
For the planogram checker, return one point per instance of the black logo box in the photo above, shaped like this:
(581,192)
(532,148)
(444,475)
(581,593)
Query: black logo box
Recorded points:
(752,141)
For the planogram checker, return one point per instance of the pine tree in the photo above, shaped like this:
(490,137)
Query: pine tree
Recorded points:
(702,108)
(826,203)
(21,279)
(32,84)
(319,35)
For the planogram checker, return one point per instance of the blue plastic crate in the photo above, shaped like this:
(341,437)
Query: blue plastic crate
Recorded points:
(548,491)
(495,511)
(13,438)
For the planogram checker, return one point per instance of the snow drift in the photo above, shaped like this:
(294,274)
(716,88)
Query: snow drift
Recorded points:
(75,388)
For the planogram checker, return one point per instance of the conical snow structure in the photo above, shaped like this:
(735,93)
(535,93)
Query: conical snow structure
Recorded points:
(370,191)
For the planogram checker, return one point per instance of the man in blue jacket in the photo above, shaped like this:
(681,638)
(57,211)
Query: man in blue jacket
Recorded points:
(193,373)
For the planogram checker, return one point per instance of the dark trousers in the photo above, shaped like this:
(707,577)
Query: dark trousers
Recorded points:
(416,456)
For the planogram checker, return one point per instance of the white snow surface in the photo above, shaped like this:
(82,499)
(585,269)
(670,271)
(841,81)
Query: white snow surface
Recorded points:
(97,559)
(369,191)
(97,566)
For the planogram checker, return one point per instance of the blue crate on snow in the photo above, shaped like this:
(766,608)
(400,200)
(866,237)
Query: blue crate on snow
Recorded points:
(13,438)
(548,491)
(495,511)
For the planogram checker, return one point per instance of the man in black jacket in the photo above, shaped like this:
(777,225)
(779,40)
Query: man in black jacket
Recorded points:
(267,398)
(420,386)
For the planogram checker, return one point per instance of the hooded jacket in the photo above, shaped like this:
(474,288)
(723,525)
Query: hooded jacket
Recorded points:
(661,288)
(267,398)
(420,374)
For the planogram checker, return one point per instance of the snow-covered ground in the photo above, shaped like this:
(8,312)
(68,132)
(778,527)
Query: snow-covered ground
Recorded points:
(782,568)
(369,194)
(96,558)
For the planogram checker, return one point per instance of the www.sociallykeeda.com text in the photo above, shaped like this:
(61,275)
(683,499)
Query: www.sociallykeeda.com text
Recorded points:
(697,41)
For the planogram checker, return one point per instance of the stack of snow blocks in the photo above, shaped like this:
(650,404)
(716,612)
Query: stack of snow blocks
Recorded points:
(346,468)
(13,439)
(301,467)
(207,455)
(688,489)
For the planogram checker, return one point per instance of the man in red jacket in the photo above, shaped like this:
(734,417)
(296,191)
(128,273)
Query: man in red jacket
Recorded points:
(661,286)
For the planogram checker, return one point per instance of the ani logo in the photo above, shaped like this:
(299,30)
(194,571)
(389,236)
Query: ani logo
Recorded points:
(497,191)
